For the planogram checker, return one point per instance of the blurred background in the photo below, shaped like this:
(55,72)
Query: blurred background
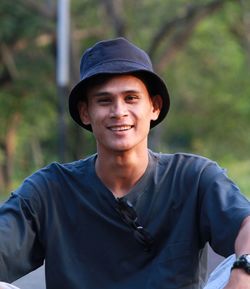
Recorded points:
(201,48)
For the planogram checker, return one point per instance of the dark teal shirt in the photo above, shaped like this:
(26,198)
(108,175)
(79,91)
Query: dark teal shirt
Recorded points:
(64,215)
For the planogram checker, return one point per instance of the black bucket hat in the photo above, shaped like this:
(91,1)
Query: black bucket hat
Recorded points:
(117,56)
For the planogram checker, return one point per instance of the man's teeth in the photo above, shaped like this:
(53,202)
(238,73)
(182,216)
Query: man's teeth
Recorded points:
(121,128)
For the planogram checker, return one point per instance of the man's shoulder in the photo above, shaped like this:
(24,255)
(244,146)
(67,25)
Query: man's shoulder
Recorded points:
(55,181)
(186,164)
(74,167)
(80,165)
(180,158)
(56,175)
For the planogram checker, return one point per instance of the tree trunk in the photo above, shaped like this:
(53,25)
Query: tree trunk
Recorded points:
(246,27)
(9,146)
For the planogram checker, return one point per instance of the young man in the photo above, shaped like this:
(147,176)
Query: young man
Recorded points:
(126,217)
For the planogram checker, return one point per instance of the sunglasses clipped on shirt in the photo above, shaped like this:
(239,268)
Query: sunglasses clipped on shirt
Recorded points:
(129,216)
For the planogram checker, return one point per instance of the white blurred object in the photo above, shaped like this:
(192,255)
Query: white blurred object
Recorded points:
(220,276)
(4,285)
(217,279)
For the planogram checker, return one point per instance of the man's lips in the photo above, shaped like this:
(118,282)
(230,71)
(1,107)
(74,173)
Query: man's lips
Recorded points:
(120,127)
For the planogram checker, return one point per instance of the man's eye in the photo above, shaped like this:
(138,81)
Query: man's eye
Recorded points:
(131,97)
(104,100)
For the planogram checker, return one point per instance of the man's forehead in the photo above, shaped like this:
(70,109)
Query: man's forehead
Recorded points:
(117,84)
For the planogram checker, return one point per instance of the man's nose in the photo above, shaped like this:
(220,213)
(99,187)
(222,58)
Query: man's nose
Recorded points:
(118,109)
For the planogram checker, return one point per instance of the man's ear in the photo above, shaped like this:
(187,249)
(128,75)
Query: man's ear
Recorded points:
(83,112)
(157,105)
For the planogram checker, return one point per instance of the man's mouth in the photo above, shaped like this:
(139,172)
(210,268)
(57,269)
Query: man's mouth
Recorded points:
(120,127)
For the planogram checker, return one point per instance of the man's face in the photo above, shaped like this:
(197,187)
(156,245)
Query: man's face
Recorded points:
(119,111)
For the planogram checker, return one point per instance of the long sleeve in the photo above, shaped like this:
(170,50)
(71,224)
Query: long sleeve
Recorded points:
(20,248)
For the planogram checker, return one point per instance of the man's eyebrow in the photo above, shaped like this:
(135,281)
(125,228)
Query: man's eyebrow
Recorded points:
(107,93)
(101,93)
(132,91)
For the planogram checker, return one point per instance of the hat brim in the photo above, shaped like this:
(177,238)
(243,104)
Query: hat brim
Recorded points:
(154,81)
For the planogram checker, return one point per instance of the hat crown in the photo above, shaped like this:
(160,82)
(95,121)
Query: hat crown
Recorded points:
(114,50)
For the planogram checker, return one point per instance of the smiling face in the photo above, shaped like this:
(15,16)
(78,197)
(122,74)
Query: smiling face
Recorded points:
(119,111)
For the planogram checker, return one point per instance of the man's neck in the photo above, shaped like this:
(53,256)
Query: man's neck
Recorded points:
(120,172)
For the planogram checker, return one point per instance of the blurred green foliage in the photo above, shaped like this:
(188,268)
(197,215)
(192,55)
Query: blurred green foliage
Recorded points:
(208,80)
